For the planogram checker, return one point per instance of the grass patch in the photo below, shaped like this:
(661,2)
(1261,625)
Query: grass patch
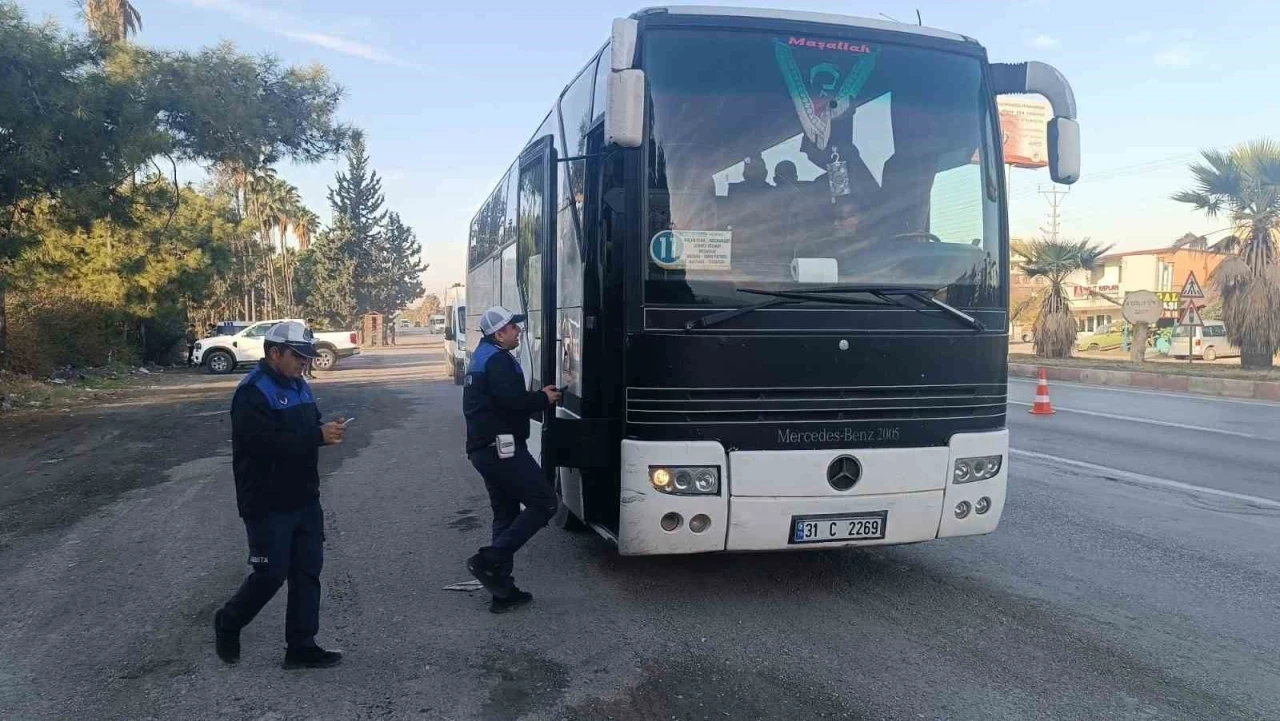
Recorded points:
(66,388)
(1165,368)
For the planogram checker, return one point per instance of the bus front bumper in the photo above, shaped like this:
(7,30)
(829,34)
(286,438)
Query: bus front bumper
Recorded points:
(763,494)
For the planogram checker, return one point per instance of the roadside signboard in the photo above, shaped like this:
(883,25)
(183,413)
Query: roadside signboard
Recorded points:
(1191,316)
(1141,306)
(1191,292)
(1024,122)
(1191,289)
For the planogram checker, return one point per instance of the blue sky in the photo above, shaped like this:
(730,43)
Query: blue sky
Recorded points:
(448,96)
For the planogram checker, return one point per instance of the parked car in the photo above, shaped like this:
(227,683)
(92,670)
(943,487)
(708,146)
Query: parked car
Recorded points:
(1108,337)
(224,353)
(231,327)
(1208,342)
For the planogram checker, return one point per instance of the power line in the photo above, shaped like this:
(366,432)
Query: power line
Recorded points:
(1054,195)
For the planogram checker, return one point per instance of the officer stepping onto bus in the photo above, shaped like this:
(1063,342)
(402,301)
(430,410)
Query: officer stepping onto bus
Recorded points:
(276,434)
(498,406)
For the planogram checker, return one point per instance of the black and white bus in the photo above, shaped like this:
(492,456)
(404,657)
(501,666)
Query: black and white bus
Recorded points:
(765,253)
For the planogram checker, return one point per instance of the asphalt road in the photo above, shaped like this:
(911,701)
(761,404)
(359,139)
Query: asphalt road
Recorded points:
(1115,588)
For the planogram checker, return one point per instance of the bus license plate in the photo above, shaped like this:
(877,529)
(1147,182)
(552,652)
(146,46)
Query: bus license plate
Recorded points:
(839,527)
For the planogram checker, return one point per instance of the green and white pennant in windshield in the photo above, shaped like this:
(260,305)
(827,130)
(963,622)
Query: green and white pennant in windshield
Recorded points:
(835,97)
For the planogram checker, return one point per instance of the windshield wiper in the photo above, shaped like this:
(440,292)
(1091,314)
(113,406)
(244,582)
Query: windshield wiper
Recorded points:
(780,297)
(723,315)
(886,295)
(922,294)
(894,294)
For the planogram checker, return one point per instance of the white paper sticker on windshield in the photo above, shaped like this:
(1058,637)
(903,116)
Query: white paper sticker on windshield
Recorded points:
(692,249)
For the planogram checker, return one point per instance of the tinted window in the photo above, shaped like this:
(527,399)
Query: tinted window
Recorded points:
(532,240)
(510,203)
(473,248)
(575,107)
(568,261)
(602,84)
(510,297)
(548,127)
(866,159)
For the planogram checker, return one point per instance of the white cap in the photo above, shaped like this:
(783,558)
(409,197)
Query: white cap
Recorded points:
(496,317)
(295,335)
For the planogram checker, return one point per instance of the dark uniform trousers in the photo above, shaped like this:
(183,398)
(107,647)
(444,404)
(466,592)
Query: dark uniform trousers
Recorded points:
(513,482)
(283,547)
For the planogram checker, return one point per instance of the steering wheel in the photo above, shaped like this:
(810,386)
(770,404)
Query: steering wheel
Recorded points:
(918,234)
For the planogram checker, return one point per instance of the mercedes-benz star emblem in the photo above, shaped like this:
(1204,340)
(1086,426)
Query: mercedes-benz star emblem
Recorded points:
(844,472)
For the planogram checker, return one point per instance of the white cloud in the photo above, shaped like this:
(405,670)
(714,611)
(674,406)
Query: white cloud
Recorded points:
(1179,56)
(276,21)
(346,47)
(1044,42)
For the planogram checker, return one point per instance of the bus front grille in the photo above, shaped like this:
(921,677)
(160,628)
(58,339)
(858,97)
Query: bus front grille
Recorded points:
(793,405)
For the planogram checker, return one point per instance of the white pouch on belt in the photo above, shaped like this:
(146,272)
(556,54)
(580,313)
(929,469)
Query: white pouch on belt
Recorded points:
(506,445)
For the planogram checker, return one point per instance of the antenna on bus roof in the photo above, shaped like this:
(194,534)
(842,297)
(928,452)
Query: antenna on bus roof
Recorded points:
(886,17)
(919,20)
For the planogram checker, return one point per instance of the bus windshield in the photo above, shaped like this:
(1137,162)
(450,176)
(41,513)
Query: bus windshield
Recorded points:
(779,160)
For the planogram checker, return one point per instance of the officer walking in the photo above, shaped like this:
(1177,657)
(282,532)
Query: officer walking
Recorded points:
(276,433)
(497,408)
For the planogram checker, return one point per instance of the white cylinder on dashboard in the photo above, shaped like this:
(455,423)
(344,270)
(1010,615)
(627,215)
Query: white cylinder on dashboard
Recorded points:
(814,270)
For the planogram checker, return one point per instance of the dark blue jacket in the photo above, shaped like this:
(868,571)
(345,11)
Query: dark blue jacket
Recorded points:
(275,442)
(494,397)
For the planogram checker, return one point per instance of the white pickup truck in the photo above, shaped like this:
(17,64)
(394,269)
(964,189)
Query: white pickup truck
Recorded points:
(224,353)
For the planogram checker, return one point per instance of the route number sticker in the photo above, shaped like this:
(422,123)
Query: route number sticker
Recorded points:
(692,250)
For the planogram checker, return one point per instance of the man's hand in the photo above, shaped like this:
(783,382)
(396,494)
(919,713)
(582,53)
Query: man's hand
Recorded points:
(334,431)
(553,395)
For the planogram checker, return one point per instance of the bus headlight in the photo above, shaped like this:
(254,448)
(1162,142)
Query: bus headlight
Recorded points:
(686,480)
(980,468)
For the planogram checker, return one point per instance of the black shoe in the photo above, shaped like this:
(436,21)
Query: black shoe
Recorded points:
(312,657)
(515,599)
(489,575)
(227,643)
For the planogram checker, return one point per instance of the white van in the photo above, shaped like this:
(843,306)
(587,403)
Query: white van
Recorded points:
(1208,342)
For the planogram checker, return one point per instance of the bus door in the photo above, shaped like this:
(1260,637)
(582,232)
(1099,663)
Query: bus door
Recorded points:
(585,429)
(536,262)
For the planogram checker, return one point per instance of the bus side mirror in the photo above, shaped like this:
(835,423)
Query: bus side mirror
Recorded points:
(622,44)
(624,113)
(1063,132)
(1064,150)
(448,334)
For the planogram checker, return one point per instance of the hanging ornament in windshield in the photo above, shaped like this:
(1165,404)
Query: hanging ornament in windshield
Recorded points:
(838,175)
(836,90)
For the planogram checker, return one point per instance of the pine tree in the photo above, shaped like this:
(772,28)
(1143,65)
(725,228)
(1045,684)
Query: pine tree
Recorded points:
(397,274)
(357,206)
(325,280)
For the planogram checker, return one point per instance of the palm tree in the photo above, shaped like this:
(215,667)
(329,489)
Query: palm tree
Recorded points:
(111,21)
(1055,260)
(1244,183)
(264,201)
(286,204)
(1191,241)
(305,228)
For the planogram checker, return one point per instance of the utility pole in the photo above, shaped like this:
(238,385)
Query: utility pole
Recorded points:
(1055,194)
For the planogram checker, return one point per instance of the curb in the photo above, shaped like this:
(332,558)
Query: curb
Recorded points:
(1225,387)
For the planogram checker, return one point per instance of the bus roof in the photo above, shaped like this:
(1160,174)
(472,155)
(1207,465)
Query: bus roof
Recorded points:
(802,16)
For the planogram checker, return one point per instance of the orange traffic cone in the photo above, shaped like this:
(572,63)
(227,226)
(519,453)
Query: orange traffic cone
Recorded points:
(1042,406)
